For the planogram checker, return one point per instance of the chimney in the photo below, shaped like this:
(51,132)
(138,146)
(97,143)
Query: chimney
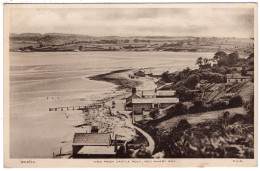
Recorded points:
(133,90)
(94,129)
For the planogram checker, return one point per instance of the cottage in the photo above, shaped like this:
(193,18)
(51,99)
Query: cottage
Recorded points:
(147,104)
(237,78)
(156,97)
(92,145)
(128,104)
(96,145)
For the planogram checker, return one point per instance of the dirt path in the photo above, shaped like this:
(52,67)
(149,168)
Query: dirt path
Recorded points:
(146,135)
(199,117)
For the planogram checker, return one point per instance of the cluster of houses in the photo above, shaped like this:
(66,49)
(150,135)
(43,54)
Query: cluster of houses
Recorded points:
(146,100)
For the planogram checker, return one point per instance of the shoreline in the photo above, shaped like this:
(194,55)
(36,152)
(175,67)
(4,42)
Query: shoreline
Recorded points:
(119,78)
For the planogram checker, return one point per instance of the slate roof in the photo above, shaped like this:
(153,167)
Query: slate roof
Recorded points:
(98,139)
(159,93)
(166,93)
(155,100)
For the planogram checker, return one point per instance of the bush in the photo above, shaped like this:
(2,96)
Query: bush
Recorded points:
(218,106)
(237,118)
(250,110)
(154,113)
(183,124)
(165,77)
(178,109)
(236,101)
(184,94)
(197,107)
(192,81)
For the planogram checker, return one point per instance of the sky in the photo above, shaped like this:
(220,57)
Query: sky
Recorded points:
(218,22)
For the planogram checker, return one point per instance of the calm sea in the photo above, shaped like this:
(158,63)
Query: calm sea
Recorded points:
(40,80)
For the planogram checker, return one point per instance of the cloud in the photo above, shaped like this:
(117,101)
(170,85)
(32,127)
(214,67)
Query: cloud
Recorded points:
(136,22)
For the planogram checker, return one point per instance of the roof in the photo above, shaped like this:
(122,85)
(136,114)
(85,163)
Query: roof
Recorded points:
(159,93)
(149,93)
(103,150)
(155,100)
(234,76)
(91,139)
(166,93)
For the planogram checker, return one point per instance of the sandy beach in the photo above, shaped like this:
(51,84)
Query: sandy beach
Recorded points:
(66,123)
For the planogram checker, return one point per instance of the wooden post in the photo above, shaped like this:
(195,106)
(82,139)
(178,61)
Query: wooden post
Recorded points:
(53,155)
(60,151)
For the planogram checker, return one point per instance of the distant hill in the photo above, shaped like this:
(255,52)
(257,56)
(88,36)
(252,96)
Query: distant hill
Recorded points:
(49,38)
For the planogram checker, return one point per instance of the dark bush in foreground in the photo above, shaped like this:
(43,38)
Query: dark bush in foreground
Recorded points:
(226,137)
(183,124)
(236,101)
(178,109)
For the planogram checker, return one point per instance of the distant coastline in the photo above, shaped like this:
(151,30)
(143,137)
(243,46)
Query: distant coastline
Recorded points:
(29,42)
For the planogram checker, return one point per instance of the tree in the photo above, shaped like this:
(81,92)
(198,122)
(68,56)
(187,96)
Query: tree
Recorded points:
(184,94)
(192,81)
(80,48)
(126,41)
(199,61)
(219,55)
(179,109)
(205,61)
(232,58)
(198,104)
(250,59)
(165,77)
(215,68)
(136,40)
(249,106)
(243,71)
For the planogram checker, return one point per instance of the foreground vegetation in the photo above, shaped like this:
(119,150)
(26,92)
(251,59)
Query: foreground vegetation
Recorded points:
(229,136)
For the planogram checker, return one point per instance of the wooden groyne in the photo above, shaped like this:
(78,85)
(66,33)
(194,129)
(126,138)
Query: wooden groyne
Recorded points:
(75,108)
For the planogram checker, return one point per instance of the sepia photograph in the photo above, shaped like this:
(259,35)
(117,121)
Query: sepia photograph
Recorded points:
(130,85)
